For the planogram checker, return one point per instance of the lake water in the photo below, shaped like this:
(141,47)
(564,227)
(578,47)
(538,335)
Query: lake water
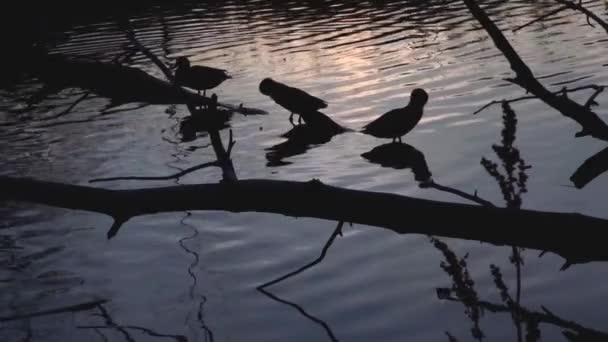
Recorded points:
(194,275)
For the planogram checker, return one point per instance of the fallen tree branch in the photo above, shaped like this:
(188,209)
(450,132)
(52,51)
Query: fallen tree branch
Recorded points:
(591,124)
(401,214)
(173,176)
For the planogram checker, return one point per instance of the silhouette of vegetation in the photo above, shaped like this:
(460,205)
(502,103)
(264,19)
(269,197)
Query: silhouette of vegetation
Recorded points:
(463,291)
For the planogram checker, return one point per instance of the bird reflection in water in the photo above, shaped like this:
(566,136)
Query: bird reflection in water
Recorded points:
(205,119)
(318,129)
(399,156)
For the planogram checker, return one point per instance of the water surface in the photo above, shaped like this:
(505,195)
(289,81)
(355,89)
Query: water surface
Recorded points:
(195,274)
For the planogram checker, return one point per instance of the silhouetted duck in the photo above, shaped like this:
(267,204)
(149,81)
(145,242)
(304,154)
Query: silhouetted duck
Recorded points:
(293,99)
(398,122)
(198,77)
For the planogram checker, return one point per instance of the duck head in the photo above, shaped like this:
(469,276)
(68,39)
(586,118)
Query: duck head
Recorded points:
(419,97)
(266,86)
(182,63)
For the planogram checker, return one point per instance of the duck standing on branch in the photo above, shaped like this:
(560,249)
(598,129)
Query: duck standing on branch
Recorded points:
(398,122)
(293,99)
(198,77)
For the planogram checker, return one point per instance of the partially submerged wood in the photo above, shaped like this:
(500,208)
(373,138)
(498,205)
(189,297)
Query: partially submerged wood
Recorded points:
(120,83)
(580,238)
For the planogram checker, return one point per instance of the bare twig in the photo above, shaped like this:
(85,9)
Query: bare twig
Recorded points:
(541,18)
(173,176)
(231,143)
(597,87)
(473,198)
(579,7)
(591,101)
(489,104)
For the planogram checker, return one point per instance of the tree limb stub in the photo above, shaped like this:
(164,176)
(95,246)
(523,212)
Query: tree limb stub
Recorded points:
(525,228)
(590,122)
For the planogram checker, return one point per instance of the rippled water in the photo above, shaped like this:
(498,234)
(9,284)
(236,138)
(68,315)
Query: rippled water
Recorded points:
(195,274)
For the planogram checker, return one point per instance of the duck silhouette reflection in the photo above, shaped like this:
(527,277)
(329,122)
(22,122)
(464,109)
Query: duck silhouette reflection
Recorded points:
(295,100)
(204,120)
(398,155)
(318,129)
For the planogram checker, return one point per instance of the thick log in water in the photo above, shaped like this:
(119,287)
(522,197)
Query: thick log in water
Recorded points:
(575,237)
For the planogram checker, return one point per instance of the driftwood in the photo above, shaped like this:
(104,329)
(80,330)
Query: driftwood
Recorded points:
(401,214)
(591,124)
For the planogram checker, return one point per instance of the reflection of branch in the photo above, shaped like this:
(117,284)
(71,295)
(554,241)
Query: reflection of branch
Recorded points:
(315,199)
(337,231)
(178,338)
(110,324)
(261,288)
(71,308)
(303,312)
(173,176)
(590,122)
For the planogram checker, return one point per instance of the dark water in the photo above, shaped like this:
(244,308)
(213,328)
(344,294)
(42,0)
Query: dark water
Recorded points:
(194,275)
